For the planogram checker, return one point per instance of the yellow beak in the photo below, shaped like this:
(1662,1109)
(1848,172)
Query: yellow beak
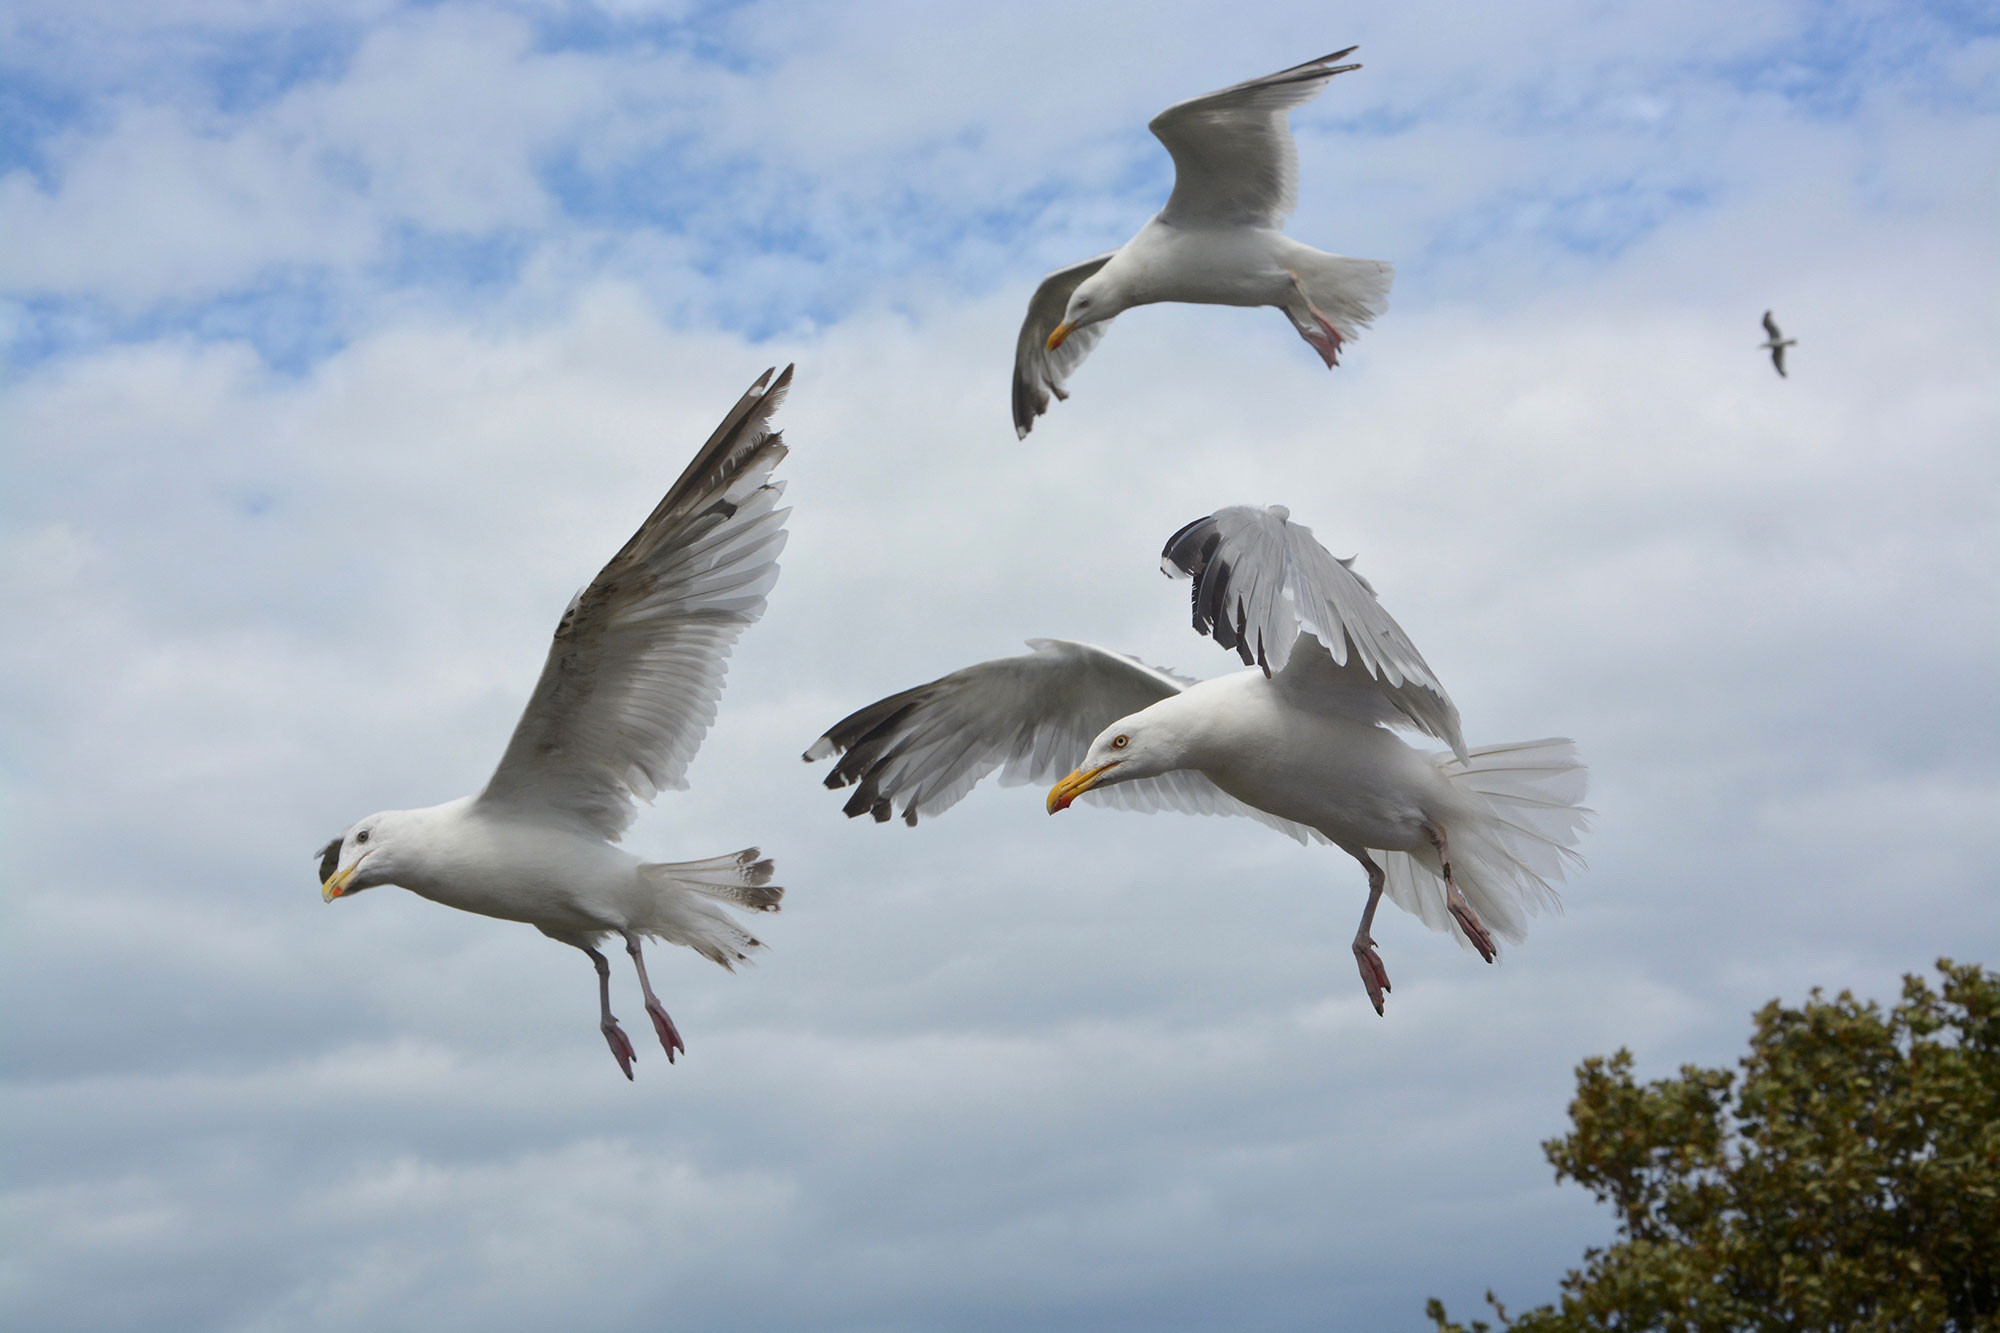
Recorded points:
(1063,330)
(1076,784)
(336,886)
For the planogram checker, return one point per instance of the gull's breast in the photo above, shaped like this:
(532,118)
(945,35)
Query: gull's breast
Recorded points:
(540,874)
(1354,781)
(1209,265)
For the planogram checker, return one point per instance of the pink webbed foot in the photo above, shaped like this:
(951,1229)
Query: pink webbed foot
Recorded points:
(1324,339)
(670,1037)
(620,1044)
(1461,912)
(1326,342)
(1373,975)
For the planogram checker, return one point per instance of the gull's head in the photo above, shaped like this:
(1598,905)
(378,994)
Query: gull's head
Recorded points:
(1130,748)
(361,858)
(1094,300)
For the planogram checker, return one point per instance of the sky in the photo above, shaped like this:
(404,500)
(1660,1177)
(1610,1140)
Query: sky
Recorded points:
(341,342)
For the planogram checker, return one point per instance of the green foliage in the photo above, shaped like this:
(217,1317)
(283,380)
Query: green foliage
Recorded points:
(1846,1180)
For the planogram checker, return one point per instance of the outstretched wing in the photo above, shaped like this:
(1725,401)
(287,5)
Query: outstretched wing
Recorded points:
(1260,579)
(1038,372)
(1771,327)
(922,750)
(632,679)
(1235,163)
(1778,360)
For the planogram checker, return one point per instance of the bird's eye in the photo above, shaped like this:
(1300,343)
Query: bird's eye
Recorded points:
(1120,742)
(361,837)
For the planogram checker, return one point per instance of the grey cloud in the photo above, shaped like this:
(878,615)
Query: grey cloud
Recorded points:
(1000,1071)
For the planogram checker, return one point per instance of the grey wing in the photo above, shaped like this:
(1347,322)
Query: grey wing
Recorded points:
(632,680)
(1038,372)
(1235,163)
(1260,581)
(1036,714)
(1771,327)
(1778,360)
(1032,717)
(1346,688)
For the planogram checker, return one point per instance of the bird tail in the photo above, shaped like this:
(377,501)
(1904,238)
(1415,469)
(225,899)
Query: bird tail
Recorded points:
(1521,819)
(678,903)
(1349,292)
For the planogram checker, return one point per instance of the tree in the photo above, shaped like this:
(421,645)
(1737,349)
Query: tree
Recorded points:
(1847,1180)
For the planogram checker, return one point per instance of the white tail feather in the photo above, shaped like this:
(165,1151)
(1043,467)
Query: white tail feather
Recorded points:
(1518,831)
(1350,292)
(675,910)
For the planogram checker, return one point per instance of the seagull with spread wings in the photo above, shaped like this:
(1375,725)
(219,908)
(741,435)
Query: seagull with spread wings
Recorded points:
(1220,240)
(628,692)
(1467,840)
(1776,343)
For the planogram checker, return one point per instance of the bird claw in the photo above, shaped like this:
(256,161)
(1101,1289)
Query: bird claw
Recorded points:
(621,1046)
(1373,975)
(1461,912)
(670,1037)
(1327,342)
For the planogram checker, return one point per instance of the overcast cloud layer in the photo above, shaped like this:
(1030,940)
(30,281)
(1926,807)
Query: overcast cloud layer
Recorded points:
(344,341)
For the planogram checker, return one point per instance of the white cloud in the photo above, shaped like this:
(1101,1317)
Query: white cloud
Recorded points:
(1000,1070)
(918,144)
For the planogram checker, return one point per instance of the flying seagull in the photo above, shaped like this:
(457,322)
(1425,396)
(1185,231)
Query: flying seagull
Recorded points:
(627,693)
(1219,241)
(1467,840)
(1776,344)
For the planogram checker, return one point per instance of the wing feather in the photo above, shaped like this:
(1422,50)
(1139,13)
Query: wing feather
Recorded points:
(633,677)
(1032,717)
(1262,581)
(1235,162)
(1038,372)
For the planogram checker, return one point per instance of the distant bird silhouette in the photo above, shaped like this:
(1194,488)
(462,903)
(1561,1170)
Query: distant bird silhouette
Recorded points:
(1776,344)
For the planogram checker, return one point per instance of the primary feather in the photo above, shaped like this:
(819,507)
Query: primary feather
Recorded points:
(633,676)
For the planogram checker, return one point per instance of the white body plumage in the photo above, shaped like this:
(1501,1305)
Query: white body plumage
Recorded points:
(627,691)
(544,875)
(1264,742)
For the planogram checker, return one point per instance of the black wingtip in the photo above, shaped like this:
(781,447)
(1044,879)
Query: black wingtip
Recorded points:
(1181,555)
(329,859)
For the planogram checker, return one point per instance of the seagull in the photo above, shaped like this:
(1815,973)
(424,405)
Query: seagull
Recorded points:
(627,693)
(1220,240)
(1467,840)
(1776,344)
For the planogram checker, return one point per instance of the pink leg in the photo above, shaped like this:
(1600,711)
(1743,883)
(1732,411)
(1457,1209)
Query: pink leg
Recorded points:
(1325,339)
(1460,909)
(670,1037)
(614,1036)
(1373,975)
